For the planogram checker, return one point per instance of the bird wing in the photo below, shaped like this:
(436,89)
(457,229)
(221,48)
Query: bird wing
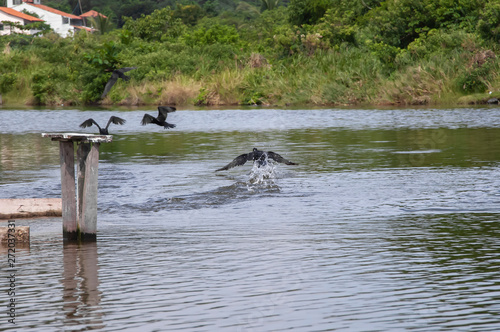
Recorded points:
(88,123)
(167,109)
(163,112)
(126,69)
(238,161)
(147,119)
(278,158)
(120,73)
(115,120)
(112,80)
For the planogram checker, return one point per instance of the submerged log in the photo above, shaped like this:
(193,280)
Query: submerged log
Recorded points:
(21,234)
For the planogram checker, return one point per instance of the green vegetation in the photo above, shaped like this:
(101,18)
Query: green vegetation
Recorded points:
(266,52)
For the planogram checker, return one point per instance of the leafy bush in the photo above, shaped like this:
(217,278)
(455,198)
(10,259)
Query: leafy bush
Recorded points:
(335,29)
(482,69)
(48,84)
(474,81)
(158,26)
(7,82)
(307,11)
(440,41)
(104,57)
(217,34)
(489,24)
(189,14)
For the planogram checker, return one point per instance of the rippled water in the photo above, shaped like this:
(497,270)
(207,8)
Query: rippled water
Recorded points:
(388,223)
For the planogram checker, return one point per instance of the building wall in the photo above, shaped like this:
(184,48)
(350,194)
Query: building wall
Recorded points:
(8,29)
(54,20)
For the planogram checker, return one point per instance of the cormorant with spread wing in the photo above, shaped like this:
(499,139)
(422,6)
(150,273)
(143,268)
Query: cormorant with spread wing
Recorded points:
(115,75)
(160,119)
(103,131)
(257,156)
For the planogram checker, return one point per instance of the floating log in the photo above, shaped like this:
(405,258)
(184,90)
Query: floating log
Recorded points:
(15,208)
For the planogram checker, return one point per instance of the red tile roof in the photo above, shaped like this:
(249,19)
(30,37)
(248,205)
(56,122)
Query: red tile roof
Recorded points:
(92,13)
(16,13)
(55,11)
(83,28)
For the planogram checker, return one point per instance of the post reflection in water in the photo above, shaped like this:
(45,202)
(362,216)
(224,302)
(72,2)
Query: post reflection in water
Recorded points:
(81,295)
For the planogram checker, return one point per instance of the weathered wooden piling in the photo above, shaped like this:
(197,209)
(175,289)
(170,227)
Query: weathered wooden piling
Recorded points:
(79,203)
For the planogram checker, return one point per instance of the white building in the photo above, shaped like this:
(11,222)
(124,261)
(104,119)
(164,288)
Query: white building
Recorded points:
(62,23)
(9,15)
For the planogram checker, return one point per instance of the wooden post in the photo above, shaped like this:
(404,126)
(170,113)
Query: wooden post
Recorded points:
(79,220)
(88,163)
(68,195)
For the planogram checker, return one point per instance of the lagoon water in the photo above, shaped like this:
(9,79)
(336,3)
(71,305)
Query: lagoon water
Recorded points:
(390,222)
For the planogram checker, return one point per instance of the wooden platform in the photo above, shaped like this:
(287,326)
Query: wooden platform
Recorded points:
(15,208)
(79,195)
(78,137)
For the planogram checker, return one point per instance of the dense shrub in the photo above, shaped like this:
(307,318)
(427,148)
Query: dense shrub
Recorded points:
(160,25)
(217,34)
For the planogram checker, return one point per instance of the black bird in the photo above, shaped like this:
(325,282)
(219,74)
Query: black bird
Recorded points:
(257,156)
(160,119)
(115,75)
(103,131)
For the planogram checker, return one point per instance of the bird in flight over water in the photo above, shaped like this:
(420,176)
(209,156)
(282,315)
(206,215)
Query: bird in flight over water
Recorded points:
(257,156)
(103,131)
(115,75)
(160,119)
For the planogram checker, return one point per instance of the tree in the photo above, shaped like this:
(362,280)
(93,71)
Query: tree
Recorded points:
(307,11)
(101,24)
(269,5)
(489,24)
(189,14)
(161,23)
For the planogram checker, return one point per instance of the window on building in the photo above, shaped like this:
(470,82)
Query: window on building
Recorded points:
(65,20)
(1,27)
(18,2)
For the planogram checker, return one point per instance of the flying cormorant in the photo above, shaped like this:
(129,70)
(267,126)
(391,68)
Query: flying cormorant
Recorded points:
(115,75)
(160,119)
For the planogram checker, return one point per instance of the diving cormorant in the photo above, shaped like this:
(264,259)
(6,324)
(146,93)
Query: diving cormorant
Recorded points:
(257,156)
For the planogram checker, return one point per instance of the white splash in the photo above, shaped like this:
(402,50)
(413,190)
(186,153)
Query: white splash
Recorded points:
(263,174)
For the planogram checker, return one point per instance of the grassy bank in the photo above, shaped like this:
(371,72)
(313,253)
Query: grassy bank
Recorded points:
(265,61)
(351,76)
(347,77)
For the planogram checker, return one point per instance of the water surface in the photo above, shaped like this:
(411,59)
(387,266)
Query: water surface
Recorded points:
(389,222)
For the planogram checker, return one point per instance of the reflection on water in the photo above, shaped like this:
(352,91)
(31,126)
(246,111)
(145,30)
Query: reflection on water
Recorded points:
(389,222)
(81,296)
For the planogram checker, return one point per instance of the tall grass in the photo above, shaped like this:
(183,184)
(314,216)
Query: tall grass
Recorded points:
(225,75)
